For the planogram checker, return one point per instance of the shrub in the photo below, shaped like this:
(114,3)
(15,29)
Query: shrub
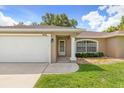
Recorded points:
(78,55)
(85,55)
(100,54)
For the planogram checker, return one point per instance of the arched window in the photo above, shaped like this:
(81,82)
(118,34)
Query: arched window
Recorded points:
(87,46)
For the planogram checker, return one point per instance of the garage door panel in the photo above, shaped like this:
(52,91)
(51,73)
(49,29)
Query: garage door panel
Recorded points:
(25,49)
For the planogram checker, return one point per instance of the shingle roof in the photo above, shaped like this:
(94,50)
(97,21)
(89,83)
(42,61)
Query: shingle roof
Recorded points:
(47,28)
(36,27)
(90,34)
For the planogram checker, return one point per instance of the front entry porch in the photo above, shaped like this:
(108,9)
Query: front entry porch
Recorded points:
(63,60)
(65,49)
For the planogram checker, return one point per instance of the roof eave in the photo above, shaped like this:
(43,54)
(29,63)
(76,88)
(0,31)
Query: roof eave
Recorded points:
(38,30)
(106,36)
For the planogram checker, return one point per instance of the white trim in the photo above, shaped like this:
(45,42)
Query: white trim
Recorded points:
(49,35)
(104,36)
(40,30)
(97,42)
(73,50)
(43,35)
(50,48)
(21,34)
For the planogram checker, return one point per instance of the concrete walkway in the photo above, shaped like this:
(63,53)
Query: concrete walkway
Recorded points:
(25,75)
(60,68)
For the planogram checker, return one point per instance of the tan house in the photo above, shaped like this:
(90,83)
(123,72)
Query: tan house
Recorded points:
(55,44)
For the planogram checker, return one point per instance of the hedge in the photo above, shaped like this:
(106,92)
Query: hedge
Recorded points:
(85,55)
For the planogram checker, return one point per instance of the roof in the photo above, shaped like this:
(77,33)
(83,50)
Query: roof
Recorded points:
(38,28)
(91,34)
(47,28)
(35,27)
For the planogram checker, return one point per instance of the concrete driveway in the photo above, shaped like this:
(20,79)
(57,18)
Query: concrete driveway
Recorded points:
(25,75)
(20,75)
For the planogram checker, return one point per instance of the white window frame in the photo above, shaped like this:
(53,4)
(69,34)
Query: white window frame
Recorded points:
(97,45)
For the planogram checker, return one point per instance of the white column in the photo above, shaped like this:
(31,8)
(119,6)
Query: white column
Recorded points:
(73,49)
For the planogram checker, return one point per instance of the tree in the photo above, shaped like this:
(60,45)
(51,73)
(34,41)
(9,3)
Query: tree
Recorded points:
(34,24)
(122,21)
(121,26)
(58,20)
(20,23)
(116,28)
(48,19)
(73,23)
(111,29)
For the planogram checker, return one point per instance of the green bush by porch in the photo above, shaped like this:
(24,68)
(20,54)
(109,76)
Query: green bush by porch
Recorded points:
(85,55)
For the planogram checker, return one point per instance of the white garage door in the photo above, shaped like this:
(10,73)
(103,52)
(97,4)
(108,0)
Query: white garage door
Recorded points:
(25,49)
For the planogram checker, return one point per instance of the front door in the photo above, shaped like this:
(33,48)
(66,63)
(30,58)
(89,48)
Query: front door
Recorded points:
(61,48)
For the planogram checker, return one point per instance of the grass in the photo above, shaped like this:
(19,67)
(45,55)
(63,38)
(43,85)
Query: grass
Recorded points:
(88,76)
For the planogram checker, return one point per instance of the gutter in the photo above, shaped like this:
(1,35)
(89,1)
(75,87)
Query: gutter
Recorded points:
(106,36)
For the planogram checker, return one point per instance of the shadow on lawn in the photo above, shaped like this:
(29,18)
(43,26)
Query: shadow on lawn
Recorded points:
(89,67)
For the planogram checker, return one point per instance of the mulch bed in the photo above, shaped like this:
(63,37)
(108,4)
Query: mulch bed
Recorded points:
(102,60)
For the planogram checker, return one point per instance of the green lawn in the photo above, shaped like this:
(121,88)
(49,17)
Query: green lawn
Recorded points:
(88,76)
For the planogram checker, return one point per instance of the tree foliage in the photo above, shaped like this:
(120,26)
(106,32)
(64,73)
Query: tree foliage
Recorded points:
(58,20)
(116,28)
(111,29)
(20,23)
(34,24)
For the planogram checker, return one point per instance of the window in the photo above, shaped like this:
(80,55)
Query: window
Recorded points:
(86,46)
(61,46)
(81,46)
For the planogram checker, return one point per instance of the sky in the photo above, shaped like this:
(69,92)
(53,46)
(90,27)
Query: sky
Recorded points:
(89,17)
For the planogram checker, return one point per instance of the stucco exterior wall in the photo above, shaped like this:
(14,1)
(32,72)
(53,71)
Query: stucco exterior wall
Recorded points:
(115,47)
(101,44)
(112,47)
(68,43)
(121,46)
(53,48)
